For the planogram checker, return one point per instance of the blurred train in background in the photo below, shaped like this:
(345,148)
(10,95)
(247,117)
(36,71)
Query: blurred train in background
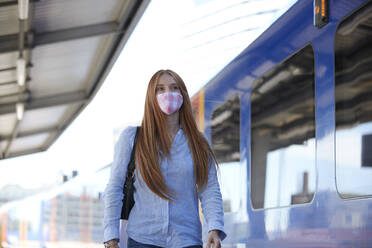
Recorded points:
(290,121)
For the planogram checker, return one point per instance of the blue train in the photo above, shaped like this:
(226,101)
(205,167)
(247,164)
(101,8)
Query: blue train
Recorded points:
(290,121)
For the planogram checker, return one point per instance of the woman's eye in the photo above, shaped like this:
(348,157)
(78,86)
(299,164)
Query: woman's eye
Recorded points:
(159,89)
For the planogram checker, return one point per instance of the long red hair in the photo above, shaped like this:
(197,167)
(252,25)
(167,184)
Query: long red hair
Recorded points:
(154,143)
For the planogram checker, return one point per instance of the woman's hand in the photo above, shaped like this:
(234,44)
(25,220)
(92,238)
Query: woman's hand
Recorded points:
(114,243)
(213,240)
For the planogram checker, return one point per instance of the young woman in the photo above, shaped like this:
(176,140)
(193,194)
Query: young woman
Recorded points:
(175,167)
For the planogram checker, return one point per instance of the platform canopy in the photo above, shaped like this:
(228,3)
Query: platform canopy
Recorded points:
(54,57)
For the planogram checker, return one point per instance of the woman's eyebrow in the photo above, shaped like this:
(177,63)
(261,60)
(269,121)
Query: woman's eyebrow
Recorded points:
(164,85)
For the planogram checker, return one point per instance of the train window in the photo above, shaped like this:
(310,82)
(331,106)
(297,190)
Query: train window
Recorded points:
(353,96)
(225,127)
(283,133)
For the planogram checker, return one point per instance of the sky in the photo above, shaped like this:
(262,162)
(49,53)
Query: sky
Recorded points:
(170,35)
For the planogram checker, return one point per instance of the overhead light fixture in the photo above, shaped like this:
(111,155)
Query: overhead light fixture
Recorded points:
(23,9)
(21,71)
(20,108)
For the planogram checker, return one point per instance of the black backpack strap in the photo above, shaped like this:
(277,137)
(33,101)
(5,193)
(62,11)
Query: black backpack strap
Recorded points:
(131,165)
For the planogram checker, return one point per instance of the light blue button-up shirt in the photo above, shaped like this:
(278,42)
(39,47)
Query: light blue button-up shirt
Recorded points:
(154,220)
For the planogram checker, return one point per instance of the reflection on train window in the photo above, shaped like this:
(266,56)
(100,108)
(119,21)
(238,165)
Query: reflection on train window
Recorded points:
(225,126)
(283,133)
(353,95)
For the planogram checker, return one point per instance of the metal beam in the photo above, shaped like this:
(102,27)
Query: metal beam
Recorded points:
(14,98)
(8,3)
(12,138)
(61,99)
(39,131)
(14,82)
(35,132)
(9,43)
(49,101)
(25,152)
(8,83)
(13,3)
(28,65)
(75,33)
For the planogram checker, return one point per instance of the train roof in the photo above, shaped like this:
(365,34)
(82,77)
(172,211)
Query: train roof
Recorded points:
(68,49)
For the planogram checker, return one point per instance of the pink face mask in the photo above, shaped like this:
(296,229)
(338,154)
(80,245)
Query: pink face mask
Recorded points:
(170,102)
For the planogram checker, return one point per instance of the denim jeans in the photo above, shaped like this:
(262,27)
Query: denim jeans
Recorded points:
(134,244)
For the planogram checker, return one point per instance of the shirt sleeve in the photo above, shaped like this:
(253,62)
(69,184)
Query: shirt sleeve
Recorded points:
(211,203)
(113,194)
